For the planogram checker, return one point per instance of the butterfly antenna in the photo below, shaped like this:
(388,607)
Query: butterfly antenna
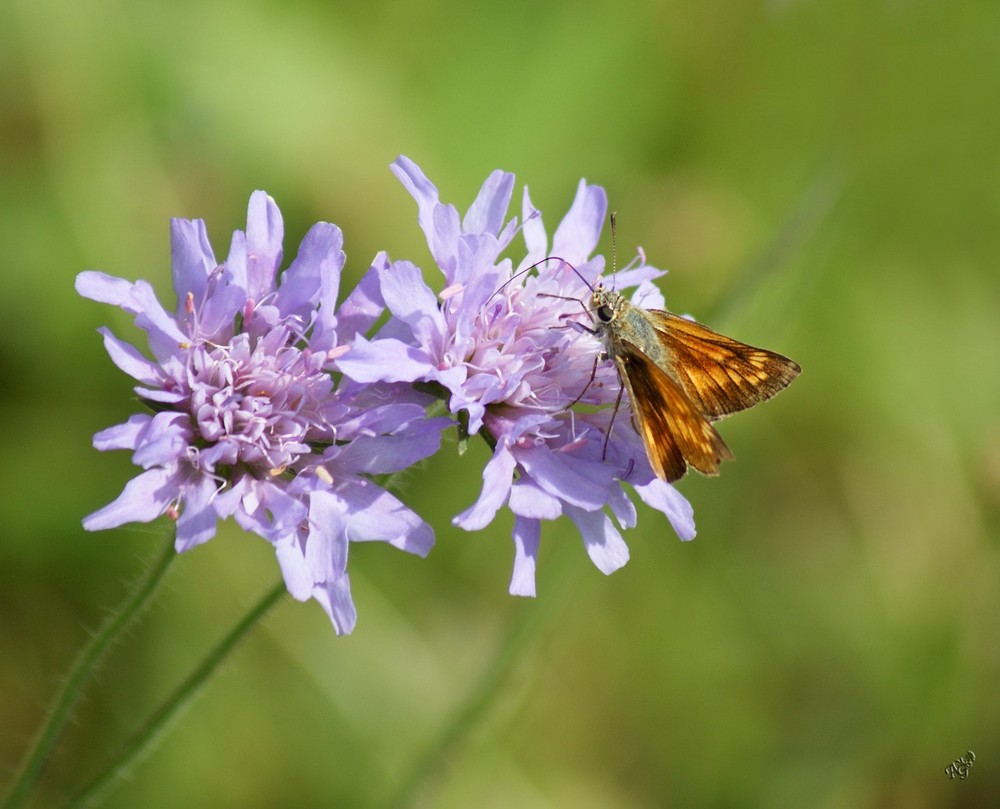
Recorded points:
(614,243)
(532,267)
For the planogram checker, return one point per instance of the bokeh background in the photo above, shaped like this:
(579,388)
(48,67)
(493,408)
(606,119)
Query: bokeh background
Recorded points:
(819,177)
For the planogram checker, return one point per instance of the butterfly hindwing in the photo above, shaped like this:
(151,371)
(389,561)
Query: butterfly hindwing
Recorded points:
(673,430)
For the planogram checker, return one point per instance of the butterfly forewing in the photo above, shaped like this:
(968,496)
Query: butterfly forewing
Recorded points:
(673,431)
(719,374)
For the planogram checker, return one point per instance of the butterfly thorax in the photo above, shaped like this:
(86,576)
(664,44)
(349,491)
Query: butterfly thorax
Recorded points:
(618,321)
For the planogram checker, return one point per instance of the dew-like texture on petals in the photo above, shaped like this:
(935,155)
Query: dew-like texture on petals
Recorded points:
(246,419)
(512,350)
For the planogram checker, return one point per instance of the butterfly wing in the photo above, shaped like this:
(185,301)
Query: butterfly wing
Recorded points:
(719,374)
(673,431)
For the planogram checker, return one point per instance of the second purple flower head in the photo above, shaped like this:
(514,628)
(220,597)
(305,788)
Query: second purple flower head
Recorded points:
(499,344)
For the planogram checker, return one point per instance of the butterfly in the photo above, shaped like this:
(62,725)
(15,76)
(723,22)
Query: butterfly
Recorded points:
(681,376)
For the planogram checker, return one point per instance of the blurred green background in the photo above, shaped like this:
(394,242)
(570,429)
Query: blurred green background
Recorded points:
(816,176)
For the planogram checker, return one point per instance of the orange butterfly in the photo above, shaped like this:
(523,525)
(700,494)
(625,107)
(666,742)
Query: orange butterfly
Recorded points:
(680,377)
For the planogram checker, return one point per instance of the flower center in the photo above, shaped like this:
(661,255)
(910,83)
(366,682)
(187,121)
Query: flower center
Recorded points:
(258,402)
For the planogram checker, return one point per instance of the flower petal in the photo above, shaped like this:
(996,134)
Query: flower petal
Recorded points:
(383,454)
(156,395)
(127,357)
(137,299)
(335,598)
(487,213)
(164,441)
(217,314)
(578,233)
(496,486)
(123,436)
(363,306)
(314,275)
(527,534)
(529,500)
(412,301)
(165,337)
(444,241)
(143,499)
(420,188)
(268,509)
(265,230)
(192,260)
(648,296)
(386,360)
(196,525)
(605,546)
(294,570)
(533,230)
(664,497)
(326,546)
(575,480)
(622,507)
(626,279)
(103,288)
(438,222)
(377,516)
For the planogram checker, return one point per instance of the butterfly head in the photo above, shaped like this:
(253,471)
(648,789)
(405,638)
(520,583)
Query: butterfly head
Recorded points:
(606,305)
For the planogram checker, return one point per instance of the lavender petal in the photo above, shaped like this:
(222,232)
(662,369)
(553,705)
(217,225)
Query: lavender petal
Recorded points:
(335,598)
(527,535)
(605,546)
(496,486)
(196,525)
(144,498)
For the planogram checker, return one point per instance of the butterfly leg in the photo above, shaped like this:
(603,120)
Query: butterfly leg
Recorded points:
(611,424)
(593,373)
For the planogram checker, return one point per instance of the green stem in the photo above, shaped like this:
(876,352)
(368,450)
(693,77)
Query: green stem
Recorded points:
(171,708)
(469,713)
(38,754)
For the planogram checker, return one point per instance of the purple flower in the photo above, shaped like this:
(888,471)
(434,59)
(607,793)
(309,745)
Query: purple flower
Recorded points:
(510,351)
(247,421)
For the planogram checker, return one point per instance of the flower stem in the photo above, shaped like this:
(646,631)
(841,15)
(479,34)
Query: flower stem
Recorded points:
(38,754)
(171,708)
(525,628)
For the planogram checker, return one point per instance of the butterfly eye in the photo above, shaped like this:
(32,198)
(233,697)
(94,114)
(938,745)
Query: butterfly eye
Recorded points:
(604,314)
